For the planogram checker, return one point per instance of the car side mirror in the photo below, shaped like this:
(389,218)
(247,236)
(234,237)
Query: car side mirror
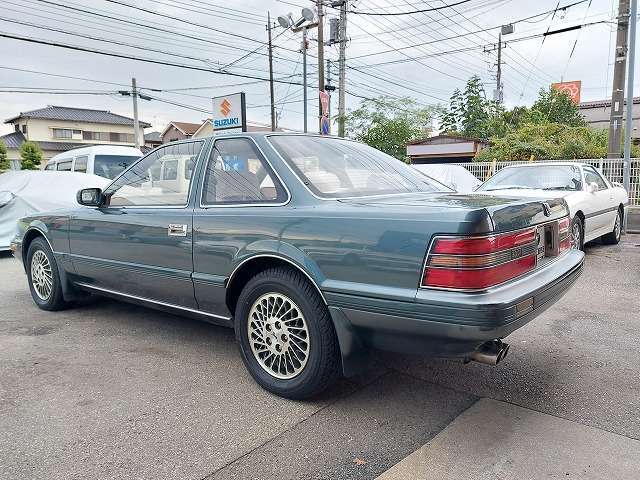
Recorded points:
(90,197)
(592,187)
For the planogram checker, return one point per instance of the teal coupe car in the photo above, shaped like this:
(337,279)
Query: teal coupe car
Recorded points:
(316,250)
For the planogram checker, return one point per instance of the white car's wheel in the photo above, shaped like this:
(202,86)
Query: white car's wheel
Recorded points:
(577,234)
(613,237)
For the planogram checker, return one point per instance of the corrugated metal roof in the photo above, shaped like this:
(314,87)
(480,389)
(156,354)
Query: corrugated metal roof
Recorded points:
(454,138)
(13,140)
(604,103)
(72,114)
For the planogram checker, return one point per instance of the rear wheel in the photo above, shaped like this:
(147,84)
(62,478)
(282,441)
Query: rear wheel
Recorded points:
(577,233)
(613,237)
(286,335)
(44,277)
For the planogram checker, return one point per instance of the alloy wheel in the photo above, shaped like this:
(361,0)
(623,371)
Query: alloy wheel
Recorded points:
(41,277)
(278,335)
(576,236)
(617,228)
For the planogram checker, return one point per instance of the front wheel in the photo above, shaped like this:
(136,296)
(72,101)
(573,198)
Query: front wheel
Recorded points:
(613,237)
(43,275)
(286,335)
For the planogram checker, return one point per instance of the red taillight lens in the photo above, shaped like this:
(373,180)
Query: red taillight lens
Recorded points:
(479,278)
(564,243)
(481,262)
(477,246)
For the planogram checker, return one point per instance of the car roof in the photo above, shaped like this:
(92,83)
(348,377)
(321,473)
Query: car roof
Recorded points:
(96,149)
(552,164)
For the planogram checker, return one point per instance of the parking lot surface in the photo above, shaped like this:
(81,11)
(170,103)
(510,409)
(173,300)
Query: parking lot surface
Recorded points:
(111,390)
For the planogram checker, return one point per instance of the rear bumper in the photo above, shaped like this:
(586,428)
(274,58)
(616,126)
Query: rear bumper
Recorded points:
(447,323)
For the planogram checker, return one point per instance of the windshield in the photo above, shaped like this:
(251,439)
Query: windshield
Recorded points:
(543,177)
(335,168)
(110,166)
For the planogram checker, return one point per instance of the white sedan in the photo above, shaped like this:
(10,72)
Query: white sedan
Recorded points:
(596,205)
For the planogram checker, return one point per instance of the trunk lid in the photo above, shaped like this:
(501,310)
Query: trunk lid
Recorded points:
(506,212)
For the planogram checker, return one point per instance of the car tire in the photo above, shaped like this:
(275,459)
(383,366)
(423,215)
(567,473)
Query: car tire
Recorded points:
(577,233)
(44,276)
(285,334)
(613,237)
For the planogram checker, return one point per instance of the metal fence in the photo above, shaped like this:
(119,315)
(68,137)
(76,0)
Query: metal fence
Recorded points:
(612,168)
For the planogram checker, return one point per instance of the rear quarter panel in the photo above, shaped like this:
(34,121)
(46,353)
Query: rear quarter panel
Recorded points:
(345,250)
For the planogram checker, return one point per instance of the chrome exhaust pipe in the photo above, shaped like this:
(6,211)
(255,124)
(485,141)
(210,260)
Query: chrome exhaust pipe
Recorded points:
(491,352)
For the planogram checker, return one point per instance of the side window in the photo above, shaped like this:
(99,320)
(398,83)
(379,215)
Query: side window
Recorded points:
(64,166)
(237,173)
(155,180)
(81,164)
(591,176)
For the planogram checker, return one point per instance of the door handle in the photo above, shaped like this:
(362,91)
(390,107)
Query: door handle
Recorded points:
(177,230)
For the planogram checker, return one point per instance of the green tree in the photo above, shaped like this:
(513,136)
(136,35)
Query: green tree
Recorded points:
(470,113)
(389,123)
(549,141)
(4,161)
(30,156)
(450,120)
(553,106)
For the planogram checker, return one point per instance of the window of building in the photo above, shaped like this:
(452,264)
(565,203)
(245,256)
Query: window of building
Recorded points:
(155,179)
(81,164)
(62,133)
(16,127)
(237,173)
(24,128)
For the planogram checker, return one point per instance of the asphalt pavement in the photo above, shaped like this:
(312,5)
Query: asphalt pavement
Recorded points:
(111,390)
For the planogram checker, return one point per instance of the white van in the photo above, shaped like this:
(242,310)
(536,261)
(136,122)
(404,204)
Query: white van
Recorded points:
(104,160)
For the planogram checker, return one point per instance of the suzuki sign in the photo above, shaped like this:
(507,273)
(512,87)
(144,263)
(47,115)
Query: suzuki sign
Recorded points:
(229,113)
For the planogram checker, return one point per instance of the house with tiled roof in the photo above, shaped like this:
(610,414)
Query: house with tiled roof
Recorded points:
(178,131)
(58,129)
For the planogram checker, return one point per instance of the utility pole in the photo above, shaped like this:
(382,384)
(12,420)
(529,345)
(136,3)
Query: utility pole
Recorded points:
(499,72)
(320,61)
(629,115)
(273,104)
(341,66)
(329,88)
(304,74)
(136,122)
(617,93)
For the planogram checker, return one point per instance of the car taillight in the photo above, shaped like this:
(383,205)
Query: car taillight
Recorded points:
(564,239)
(480,262)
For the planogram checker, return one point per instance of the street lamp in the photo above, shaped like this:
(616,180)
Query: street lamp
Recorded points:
(305,22)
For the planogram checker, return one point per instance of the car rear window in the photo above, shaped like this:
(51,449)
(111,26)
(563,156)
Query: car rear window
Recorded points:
(338,168)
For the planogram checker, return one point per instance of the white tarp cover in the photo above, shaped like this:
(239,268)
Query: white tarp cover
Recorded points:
(23,193)
(454,176)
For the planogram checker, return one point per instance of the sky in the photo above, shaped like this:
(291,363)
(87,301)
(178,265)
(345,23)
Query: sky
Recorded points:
(424,56)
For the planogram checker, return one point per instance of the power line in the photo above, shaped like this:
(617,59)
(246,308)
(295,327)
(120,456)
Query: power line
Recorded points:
(177,19)
(465,34)
(139,59)
(155,28)
(432,9)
